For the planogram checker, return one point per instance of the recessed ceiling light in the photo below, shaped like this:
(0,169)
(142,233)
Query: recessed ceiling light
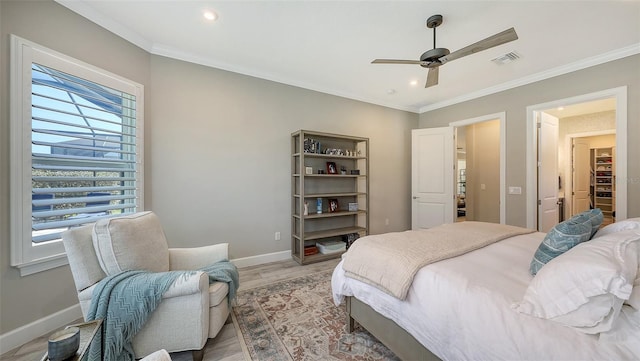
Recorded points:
(414,82)
(210,15)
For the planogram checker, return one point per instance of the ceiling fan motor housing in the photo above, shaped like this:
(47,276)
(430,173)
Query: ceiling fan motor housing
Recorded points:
(432,56)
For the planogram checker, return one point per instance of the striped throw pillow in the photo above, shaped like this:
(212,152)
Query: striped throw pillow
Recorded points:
(593,215)
(561,238)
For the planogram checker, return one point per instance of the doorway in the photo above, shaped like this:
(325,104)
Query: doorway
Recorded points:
(434,170)
(582,172)
(565,185)
(480,161)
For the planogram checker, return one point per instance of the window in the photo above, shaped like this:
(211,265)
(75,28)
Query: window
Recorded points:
(76,151)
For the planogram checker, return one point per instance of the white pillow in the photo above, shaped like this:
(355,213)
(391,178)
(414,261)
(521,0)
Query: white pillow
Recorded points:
(634,299)
(625,330)
(627,224)
(131,242)
(585,287)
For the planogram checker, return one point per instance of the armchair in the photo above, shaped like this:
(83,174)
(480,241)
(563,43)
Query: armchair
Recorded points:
(191,310)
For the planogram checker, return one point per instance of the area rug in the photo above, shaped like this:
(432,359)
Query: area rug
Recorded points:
(297,320)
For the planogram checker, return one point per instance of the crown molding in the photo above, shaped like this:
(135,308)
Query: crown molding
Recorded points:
(89,13)
(173,53)
(561,70)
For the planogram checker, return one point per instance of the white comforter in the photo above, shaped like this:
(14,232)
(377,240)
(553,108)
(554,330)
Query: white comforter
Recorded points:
(460,309)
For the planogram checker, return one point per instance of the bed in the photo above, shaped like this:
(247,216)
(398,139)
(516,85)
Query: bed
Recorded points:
(485,304)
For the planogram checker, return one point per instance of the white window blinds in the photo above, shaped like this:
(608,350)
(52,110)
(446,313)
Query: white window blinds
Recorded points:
(76,150)
(83,152)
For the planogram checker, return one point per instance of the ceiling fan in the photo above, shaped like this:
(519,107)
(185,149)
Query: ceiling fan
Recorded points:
(432,59)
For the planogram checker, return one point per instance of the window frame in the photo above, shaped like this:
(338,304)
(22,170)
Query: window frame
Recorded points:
(28,257)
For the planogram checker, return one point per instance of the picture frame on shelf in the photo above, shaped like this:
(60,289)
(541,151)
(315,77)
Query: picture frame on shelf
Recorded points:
(331,168)
(333,205)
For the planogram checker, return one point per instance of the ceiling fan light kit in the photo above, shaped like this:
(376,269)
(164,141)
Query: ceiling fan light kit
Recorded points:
(434,58)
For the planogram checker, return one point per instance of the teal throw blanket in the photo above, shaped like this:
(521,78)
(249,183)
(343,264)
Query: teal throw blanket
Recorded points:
(224,271)
(126,300)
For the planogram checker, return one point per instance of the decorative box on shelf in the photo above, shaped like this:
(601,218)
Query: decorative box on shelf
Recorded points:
(328,247)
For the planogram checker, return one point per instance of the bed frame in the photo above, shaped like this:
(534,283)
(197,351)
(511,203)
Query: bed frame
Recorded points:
(388,332)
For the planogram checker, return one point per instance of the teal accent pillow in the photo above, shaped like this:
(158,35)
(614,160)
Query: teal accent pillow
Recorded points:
(593,215)
(561,238)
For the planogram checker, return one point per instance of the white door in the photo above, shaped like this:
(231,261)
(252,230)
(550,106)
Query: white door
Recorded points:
(432,178)
(547,172)
(581,176)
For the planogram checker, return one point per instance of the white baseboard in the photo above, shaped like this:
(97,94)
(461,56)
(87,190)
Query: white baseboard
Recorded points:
(35,329)
(261,259)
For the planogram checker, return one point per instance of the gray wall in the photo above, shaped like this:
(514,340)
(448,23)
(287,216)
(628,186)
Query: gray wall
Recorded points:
(217,151)
(220,155)
(622,72)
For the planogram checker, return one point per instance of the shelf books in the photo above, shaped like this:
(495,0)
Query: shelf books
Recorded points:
(310,250)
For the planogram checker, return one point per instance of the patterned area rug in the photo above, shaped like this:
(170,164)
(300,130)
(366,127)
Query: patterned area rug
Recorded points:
(297,320)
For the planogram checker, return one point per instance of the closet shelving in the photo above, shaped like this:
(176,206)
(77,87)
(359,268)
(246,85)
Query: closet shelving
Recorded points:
(604,192)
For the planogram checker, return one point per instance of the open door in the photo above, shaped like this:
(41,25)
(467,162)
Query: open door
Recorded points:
(547,172)
(581,176)
(432,180)
(612,99)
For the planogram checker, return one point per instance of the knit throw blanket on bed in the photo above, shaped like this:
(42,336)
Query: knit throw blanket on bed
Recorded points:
(126,300)
(390,261)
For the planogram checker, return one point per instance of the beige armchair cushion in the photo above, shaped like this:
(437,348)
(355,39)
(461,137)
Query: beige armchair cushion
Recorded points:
(197,257)
(82,257)
(133,242)
(218,292)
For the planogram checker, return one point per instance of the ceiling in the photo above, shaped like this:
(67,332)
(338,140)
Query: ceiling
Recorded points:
(595,106)
(328,46)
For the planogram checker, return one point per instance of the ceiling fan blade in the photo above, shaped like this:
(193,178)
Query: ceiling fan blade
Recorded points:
(397,61)
(494,40)
(432,77)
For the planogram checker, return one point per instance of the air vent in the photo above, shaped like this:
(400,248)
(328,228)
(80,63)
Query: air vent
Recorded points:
(506,58)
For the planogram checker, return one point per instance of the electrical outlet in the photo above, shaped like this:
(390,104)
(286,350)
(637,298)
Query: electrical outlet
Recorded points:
(386,222)
(277,236)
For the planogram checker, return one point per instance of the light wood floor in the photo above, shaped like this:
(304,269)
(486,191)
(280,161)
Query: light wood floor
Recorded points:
(226,345)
